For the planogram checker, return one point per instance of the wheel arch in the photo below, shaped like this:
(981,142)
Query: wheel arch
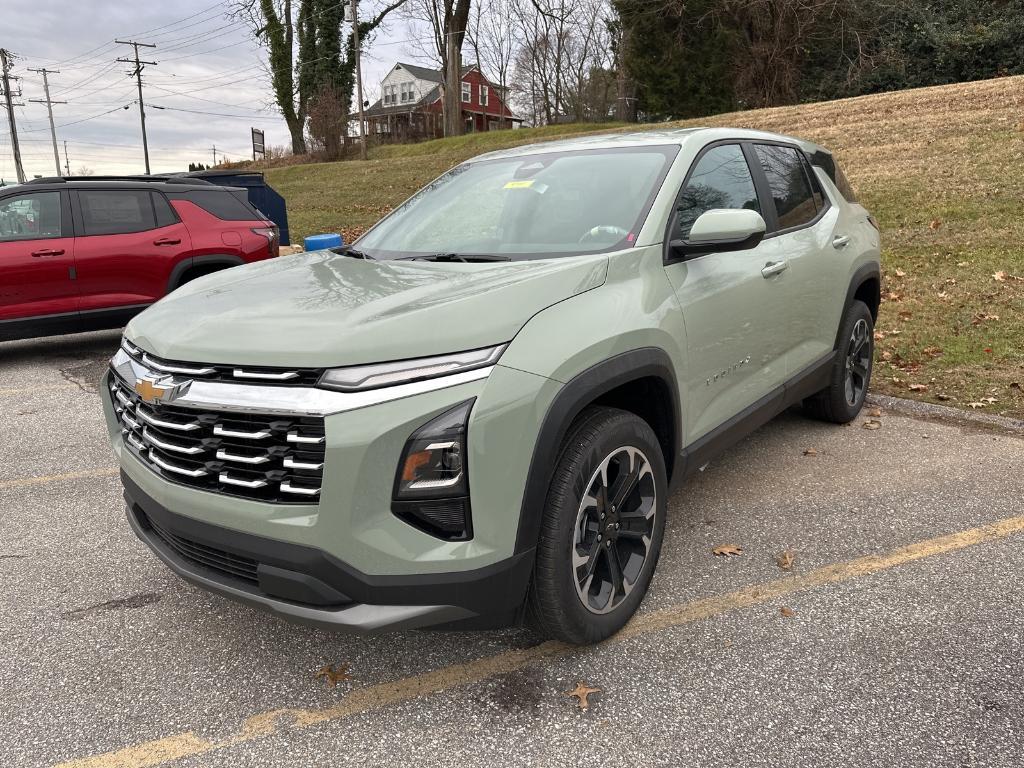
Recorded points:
(642,381)
(217,260)
(866,286)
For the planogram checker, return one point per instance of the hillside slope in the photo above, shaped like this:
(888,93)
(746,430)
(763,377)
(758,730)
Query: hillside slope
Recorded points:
(941,168)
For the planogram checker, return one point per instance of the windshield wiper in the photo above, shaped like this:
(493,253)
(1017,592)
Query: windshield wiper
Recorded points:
(348,250)
(463,257)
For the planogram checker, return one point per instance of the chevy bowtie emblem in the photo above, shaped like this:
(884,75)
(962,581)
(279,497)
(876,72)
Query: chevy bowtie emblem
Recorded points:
(160,389)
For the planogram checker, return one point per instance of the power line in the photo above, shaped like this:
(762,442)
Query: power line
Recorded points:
(5,66)
(49,110)
(138,78)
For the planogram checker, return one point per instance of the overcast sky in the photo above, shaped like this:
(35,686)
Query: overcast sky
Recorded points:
(207,63)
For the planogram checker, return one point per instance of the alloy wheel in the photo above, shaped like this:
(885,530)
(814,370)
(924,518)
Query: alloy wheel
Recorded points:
(858,362)
(614,527)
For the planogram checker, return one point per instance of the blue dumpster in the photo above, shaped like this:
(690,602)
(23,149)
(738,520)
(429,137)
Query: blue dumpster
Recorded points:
(323,242)
(261,195)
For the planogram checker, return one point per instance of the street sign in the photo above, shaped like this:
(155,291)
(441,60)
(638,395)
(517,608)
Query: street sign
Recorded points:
(258,144)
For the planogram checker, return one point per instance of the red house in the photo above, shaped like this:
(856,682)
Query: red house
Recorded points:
(410,108)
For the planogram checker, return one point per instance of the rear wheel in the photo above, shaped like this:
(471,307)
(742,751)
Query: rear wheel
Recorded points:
(602,528)
(842,399)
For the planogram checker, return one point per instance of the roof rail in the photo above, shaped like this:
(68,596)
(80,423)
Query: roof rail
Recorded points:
(151,178)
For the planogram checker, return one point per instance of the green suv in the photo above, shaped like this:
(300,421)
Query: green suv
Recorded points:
(474,414)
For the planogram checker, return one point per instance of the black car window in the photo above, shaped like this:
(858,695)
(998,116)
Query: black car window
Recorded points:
(33,216)
(116,211)
(790,188)
(165,216)
(222,204)
(720,179)
(844,186)
(820,201)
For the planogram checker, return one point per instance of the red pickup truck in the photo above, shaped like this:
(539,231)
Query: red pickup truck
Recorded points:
(83,254)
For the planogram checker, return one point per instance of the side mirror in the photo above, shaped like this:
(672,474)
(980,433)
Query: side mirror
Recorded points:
(721,230)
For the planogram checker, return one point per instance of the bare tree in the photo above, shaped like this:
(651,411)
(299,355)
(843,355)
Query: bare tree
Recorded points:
(492,33)
(447,20)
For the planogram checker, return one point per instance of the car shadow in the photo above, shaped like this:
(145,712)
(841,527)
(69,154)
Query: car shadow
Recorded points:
(71,347)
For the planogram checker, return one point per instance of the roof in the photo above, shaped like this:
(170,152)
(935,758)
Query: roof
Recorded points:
(651,138)
(426,73)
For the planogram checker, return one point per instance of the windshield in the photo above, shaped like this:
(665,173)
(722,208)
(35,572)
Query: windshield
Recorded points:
(534,206)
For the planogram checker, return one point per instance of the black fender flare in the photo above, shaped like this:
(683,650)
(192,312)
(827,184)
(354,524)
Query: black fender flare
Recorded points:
(577,394)
(223,260)
(861,276)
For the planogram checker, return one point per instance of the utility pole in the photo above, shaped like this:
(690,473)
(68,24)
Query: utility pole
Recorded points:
(5,69)
(67,165)
(214,154)
(359,78)
(49,108)
(137,74)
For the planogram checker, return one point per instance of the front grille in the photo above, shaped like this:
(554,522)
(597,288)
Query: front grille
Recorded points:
(236,374)
(235,566)
(264,457)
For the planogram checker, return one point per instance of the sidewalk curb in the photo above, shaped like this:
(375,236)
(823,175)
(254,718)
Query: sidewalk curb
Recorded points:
(920,410)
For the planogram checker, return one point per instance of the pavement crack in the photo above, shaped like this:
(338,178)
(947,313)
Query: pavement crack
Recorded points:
(118,604)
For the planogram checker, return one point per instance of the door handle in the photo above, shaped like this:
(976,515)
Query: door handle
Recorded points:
(774,268)
(840,241)
(48,252)
(166,241)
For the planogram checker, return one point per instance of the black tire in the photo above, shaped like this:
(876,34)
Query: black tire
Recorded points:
(842,399)
(623,443)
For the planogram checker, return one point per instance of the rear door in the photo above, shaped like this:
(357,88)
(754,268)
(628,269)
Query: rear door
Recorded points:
(736,317)
(36,256)
(805,238)
(128,243)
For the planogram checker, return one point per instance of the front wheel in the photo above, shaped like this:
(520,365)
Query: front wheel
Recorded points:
(842,399)
(602,528)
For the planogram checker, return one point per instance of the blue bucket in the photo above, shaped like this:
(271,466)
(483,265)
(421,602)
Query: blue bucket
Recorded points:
(323,242)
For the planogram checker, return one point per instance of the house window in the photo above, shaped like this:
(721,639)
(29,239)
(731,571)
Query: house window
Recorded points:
(407,93)
(483,95)
(390,94)
(467,93)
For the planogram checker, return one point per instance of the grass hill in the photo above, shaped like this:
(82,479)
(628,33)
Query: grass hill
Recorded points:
(941,168)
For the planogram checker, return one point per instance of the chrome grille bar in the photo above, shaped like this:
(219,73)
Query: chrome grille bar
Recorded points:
(221,431)
(224,455)
(287,487)
(152,439)
(166,465)
(283,376)
(164,424)
(168,368)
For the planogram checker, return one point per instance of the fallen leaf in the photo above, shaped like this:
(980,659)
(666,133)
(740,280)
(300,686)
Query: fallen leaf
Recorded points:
(334,676)
(581,692)
(976,405)
(989,400)
(875,413)
(787,613)
(886,355)
(1000,276)
(727,550)
(785,560)
(942,294)
(932,351)
(900,273)
(879,335)
(918,387)
(810,451)
(963,263)
(906,315)
(981,317)
(935,224)
(872,424)
(943,397)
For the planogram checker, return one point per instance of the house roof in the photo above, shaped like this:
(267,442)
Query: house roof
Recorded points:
(425,73)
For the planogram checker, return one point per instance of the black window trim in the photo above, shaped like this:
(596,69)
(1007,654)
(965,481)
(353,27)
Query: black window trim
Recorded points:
(66,224)
(80,220)
(773,230)
(668,257)
(764,196)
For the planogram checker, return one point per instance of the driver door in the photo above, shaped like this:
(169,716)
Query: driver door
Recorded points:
(735,315)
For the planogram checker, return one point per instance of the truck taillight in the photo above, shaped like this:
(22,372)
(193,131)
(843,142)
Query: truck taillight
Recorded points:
(273,235)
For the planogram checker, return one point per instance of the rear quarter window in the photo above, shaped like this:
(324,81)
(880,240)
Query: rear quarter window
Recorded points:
(844,186)
(222,204)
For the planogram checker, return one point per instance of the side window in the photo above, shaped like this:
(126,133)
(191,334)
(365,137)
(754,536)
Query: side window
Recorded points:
(116,212)
(30,217)
(720,179)
(844,187)
(222,204)
(165,216)
(791,191)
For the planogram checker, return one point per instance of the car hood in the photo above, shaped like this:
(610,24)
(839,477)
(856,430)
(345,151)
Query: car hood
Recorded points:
(320,309)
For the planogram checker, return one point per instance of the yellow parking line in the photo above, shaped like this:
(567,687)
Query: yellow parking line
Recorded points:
(23,482)
(37,388)
(372,697)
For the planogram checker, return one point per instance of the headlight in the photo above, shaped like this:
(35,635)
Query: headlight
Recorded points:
(360,377)
(432,484)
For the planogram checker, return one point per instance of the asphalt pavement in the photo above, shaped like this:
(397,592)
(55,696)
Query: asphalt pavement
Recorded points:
(902,644)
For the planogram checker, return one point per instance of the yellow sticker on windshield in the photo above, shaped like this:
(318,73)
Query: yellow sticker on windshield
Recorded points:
(523,184)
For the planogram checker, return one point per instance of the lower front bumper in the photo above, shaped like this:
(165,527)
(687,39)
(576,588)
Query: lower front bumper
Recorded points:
(310,586)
